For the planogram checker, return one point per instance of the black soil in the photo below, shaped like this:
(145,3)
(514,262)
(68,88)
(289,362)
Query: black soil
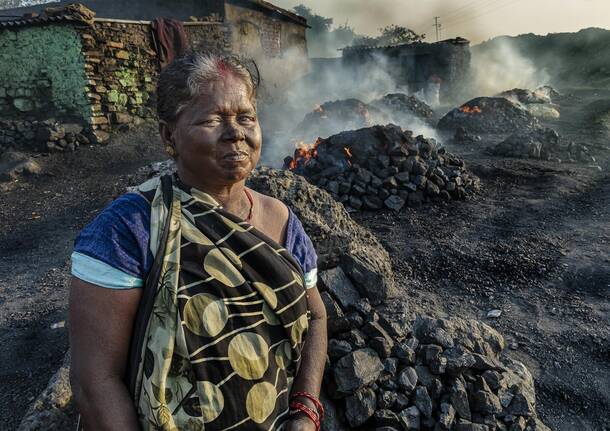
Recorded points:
(39,219)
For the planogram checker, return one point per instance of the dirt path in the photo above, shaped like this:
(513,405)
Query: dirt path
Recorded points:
(39,220)
(535,245)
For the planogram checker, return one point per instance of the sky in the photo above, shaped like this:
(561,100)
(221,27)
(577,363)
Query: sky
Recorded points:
(476,20)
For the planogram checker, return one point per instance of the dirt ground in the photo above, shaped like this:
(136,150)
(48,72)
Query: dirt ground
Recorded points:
(533,243)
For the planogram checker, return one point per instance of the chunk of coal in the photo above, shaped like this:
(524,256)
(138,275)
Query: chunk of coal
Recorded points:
(357,369)
(410,419)
(422,401)
(407,380)
(395,203)
(404,353)
(338,349)
(386,417)
(340,287)
(360,407)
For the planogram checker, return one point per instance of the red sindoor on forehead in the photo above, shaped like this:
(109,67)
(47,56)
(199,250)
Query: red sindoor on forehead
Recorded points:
(223,68)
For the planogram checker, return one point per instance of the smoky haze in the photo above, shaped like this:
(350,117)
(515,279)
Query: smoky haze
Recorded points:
(476,20)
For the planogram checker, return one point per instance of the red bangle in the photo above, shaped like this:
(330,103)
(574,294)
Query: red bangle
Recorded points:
(311,398)
(297,407)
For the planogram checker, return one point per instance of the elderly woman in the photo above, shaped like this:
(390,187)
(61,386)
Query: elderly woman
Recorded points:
(193,303)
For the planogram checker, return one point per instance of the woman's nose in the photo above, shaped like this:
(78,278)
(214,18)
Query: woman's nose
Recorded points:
(233,132)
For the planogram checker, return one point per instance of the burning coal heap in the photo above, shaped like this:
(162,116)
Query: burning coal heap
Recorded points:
(382,166)
(489,115)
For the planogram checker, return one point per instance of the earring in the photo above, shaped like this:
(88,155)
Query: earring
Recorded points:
(170,151)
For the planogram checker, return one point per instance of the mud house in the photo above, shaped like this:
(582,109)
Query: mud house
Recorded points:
(96,71)
(418,66)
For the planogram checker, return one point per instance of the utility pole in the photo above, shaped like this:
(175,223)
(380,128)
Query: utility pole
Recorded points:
(437,26)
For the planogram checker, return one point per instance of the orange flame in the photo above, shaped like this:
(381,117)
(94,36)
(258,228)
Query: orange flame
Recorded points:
(468,110)
(348,152)
(318,108)
(303,153)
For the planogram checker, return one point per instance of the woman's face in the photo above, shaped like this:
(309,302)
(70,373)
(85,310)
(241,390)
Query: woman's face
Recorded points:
(217,137)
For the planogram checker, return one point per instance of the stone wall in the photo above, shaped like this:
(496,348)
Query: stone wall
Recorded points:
(121,68)
(42,71)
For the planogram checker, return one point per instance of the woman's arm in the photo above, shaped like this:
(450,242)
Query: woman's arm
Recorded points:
(101,322)
(311,371)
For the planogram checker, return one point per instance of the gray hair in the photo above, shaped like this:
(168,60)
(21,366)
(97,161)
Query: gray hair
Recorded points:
(188,75)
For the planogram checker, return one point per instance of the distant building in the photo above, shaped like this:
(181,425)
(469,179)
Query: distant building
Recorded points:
(420,67)
(101,72)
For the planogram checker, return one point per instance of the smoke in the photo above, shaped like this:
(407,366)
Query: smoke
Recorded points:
(500,66)
(283,108)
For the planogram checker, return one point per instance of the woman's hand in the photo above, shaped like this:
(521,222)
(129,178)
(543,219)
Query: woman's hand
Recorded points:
(300,424)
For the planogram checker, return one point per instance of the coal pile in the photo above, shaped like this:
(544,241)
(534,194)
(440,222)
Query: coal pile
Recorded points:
(537,144)
(437,375)
(383,166)
(538,102)
(542,144)
(332,117)
(496,115)
(399,104)
(541,95)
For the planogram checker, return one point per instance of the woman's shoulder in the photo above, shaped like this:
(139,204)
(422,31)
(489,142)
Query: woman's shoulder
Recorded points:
(119,236)
(271,205)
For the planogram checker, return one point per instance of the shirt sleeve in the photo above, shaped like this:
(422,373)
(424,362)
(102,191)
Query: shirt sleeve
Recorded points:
(113,250)
(300,246)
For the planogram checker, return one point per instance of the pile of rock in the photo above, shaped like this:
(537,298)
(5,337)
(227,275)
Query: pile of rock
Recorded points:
(349,114)
(435,375)
(489,115)
(540,143)
(384,166)
(400,105)
(538,102)
(47,135)
(332,117)
(576,152)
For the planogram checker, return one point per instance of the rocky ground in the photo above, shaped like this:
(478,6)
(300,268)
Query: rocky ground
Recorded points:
(533,243)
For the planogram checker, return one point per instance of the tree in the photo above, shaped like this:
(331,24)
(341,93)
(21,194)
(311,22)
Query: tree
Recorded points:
(322,39)
(390,35)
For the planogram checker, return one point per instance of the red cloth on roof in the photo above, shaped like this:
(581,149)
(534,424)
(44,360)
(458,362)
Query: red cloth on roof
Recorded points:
(171,39)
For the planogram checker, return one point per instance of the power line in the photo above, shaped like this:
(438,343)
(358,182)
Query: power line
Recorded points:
(502,6)
(486,5)
(456,14)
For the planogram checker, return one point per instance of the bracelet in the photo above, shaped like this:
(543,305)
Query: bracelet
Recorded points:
(297,407)
(311,398)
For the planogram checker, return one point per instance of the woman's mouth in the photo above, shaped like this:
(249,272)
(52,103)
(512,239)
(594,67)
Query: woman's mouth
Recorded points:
(236,157)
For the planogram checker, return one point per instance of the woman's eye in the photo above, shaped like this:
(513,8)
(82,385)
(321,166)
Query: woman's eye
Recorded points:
(210,122)
(247,118)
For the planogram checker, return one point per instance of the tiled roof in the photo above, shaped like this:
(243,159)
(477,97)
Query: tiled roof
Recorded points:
(9,22)
(287,14)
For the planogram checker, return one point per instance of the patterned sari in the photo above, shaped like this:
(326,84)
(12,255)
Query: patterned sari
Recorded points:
(218,338)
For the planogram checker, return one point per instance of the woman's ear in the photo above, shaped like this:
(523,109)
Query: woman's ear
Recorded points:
(166,131)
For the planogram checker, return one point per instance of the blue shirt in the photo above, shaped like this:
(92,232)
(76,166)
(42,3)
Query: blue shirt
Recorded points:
(113,250)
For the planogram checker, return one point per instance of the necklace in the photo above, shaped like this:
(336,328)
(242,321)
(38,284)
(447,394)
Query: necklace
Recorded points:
(251,201)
